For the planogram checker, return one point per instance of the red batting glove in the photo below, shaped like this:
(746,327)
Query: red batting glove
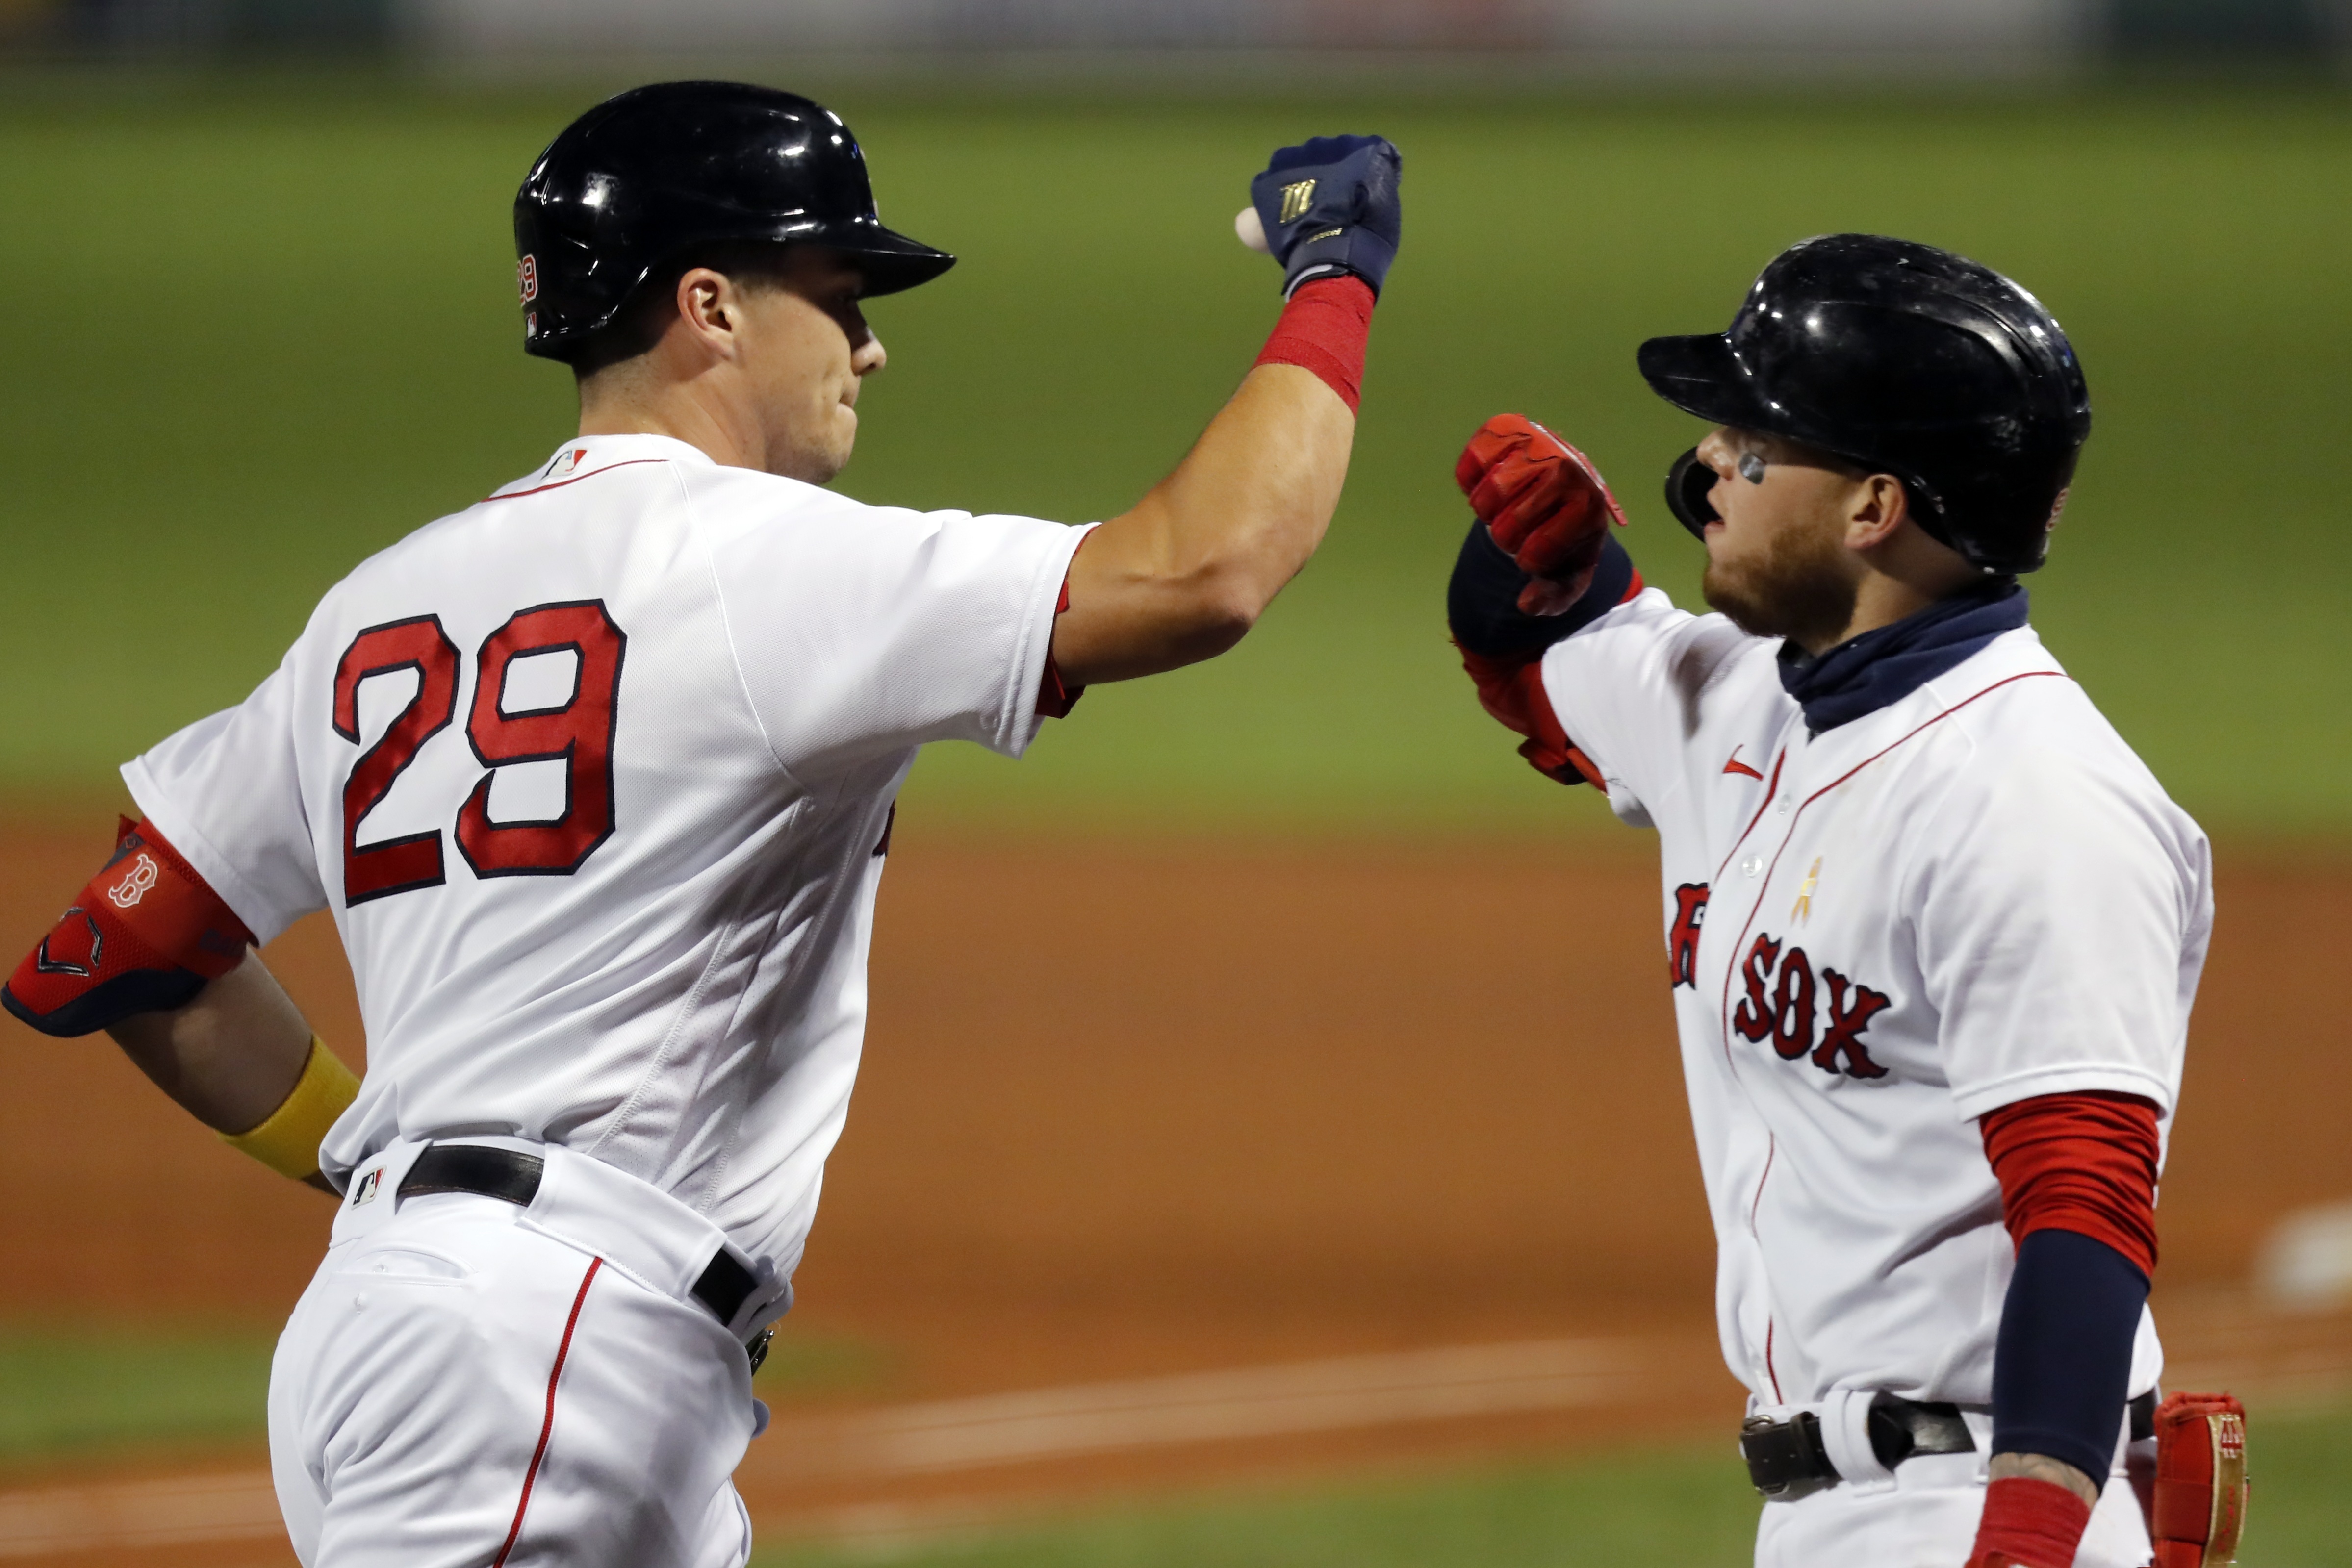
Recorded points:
(1545,504)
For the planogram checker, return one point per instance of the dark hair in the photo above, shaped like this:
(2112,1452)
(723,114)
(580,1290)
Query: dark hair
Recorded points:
(638,324)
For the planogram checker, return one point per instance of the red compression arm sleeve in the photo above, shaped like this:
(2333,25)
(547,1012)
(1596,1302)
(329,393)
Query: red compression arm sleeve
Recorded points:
(1323,329)
(2084,1163)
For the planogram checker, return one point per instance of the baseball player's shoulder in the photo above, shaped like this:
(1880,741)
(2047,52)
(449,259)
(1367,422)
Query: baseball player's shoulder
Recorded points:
(2016,703)
(1692,656)
(745,505)
(2026,750)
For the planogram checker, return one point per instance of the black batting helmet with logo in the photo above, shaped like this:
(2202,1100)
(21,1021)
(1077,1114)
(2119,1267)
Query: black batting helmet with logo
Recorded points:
(641,178)
(1905,360)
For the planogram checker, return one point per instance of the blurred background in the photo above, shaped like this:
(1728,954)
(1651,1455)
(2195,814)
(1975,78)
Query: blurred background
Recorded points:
(1271,1146)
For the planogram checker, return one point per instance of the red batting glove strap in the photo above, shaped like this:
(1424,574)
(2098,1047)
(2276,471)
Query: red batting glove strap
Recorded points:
(1324,329)
(2029,1525)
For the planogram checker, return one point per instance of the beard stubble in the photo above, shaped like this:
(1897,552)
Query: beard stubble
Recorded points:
(1800,589)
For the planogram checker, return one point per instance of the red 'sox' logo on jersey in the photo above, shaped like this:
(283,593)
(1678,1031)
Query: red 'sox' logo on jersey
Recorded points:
(136,886)
(526,277)
(1780,1007)
(1682,942)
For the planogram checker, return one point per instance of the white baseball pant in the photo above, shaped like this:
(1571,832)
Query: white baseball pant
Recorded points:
(468,1383)
(1925,1517)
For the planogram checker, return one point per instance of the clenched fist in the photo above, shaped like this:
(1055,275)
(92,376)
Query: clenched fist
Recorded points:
(1545,504)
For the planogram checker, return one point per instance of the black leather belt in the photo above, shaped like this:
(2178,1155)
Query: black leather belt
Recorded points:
(512,1176)
(1788,1456)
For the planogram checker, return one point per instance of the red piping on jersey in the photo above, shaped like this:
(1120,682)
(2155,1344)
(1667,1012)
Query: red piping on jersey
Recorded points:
(1771,1152)
(1724,1015)
(557,485)
(547,1427)
(1771,790)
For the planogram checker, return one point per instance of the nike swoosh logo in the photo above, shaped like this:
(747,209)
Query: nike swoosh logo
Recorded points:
(1735,766)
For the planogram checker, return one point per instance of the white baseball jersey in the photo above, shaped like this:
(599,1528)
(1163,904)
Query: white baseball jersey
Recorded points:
(1975,895)
(594,777)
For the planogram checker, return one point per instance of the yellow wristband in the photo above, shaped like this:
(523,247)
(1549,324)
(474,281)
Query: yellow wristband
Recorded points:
(288,1142)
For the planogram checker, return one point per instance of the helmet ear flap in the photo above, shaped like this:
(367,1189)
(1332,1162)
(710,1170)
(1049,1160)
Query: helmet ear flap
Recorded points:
(1687,484)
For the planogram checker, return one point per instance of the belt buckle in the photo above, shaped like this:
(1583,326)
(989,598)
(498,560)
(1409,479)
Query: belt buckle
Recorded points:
(1785,1458)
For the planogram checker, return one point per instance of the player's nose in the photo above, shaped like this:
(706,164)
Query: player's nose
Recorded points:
(1719,453)
(870,356)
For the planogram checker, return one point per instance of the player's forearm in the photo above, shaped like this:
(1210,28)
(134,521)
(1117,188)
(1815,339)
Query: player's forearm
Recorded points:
(1184,575)
(2042,1467)
(231,1055)
(2077,1173)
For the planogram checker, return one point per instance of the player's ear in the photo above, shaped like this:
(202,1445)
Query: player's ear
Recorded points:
(710,307)
(1880,509)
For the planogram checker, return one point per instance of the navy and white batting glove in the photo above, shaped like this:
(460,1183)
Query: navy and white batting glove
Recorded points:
(1330,205)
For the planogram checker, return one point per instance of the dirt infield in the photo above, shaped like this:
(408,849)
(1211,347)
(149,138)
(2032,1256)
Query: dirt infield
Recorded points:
(1139,1111)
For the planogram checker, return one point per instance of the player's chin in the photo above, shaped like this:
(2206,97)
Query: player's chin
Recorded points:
(827,454)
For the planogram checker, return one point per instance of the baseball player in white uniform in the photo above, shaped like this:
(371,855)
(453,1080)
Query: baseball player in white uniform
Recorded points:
(596,778)
(1933,931)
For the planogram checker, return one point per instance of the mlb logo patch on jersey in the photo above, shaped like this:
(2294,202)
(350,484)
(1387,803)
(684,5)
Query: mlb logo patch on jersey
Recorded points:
(564,466)
(365,1189)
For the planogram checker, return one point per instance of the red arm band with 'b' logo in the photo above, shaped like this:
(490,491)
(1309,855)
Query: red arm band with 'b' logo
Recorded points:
(143,937)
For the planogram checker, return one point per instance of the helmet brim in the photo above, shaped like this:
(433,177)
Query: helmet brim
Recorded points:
(1702,375)
(890,262)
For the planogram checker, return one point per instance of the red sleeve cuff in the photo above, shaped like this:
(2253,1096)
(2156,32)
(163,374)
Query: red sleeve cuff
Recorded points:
(1056,698)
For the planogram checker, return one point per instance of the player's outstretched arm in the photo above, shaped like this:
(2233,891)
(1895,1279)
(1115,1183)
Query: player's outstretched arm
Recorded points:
(1183,575)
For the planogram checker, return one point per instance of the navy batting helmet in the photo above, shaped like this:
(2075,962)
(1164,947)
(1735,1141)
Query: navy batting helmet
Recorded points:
(1904,360)
(641,178)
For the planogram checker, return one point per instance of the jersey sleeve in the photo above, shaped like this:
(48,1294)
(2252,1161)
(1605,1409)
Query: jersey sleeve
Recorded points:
(2061,905)
(864,629)
(1633,690)
(226,793)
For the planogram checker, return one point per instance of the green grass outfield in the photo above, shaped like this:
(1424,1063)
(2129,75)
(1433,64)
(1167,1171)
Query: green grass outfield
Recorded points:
(262,329)
(1687,1508)
(69,1389)
(73,1393)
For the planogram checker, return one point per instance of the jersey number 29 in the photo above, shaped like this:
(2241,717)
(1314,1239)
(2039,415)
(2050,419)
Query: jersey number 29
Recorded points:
(578,733)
